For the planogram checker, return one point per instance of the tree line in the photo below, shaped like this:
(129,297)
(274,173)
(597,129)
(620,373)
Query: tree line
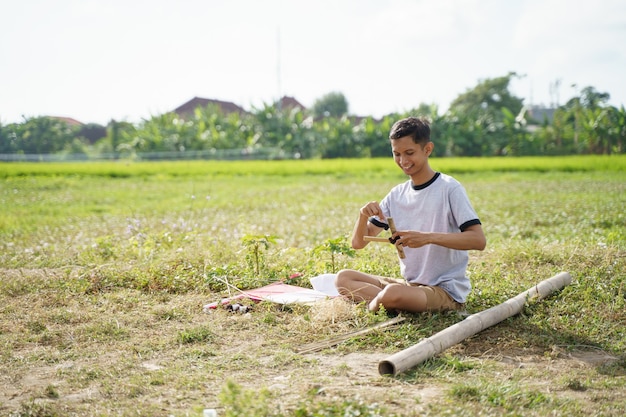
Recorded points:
(484,121)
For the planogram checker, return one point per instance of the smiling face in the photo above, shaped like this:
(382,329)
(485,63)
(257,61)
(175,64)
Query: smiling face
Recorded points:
(412,158)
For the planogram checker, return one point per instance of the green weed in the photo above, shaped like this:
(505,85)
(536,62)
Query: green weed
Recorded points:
(196,335)
(333,248)
(257,245)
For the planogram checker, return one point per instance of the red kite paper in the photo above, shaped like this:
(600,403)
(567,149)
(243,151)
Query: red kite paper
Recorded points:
(277,292)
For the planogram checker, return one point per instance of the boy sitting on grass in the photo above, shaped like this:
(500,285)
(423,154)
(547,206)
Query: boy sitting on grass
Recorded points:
(436,226)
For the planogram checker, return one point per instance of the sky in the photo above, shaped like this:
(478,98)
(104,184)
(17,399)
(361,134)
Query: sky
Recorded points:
(98,60)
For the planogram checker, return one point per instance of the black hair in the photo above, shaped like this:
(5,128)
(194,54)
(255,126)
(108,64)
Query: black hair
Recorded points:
(417,128)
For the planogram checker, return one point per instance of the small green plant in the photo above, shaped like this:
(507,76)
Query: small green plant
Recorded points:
(240,402)
(51,392)
(575,385)
(465,392)
(256,245)
(449,363)
(195,335)
(334,247)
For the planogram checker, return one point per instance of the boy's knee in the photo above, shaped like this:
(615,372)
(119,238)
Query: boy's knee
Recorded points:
(349,283)
(392,297)
(385,298)
(341,280)
(343,276)
(389,295)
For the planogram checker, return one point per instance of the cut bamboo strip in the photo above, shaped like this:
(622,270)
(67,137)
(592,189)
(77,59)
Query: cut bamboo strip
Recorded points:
(317,346)
(376,239)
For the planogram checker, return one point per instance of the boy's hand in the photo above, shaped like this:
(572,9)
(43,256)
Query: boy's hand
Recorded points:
(411,239)
(472,238)
(372,209)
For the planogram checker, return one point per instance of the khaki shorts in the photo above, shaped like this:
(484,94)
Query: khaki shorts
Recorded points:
(437,299)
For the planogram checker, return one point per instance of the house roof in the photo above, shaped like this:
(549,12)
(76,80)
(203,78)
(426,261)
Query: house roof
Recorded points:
(287,102)
(189,107)
(68,120)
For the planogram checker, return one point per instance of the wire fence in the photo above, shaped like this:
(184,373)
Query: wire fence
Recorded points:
(209,154)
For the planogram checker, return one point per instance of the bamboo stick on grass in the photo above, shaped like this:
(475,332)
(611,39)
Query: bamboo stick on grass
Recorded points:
(427,348)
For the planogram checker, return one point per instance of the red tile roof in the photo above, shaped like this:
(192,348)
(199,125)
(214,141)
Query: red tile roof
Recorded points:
(189,107)
(287,102)
(68,120)
(227,107)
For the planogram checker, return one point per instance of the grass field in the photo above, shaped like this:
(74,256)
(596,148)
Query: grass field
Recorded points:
(105,267)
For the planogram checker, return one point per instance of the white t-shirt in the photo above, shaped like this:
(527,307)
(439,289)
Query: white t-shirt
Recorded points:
(440,205)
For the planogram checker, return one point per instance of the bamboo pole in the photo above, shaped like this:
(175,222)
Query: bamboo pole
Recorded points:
(427,348)
(392,229)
